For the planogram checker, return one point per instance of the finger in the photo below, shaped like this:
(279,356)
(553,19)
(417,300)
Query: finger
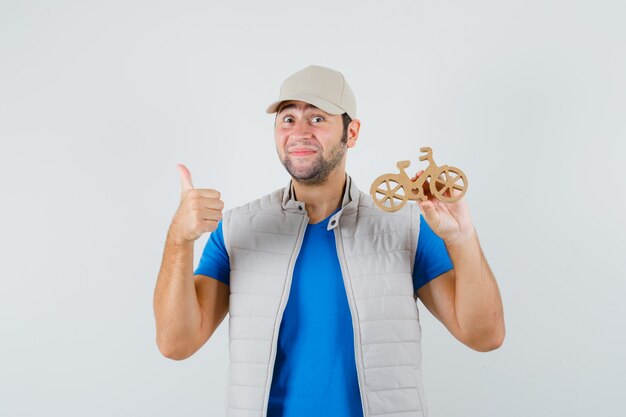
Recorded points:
(210,226)
(185,178)
(208,193)
(430,214)
(420,172)
(212,215)
(212,203)
(428,187)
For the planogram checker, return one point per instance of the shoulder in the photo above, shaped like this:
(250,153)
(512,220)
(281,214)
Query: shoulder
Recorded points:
(268,202)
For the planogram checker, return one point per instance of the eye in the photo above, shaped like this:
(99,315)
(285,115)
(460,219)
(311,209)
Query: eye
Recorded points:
(287,119)
(317,117)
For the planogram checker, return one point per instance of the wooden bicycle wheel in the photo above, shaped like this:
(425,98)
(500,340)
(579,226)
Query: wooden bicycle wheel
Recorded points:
(388,193)
(446,181)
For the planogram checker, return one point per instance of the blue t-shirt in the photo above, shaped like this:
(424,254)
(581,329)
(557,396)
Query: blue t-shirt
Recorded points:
(315,370)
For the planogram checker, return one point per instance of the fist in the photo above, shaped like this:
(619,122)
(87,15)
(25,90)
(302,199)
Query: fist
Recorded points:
(199,211)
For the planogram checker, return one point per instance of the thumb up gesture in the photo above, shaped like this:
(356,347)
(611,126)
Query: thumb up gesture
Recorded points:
(199,211)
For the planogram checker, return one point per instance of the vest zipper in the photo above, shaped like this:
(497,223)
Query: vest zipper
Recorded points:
(353,313)
(281,310)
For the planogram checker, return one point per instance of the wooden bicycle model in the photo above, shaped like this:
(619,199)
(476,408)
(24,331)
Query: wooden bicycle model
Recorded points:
(391,191)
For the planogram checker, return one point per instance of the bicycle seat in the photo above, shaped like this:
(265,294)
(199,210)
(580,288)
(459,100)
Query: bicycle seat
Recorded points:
(403,164)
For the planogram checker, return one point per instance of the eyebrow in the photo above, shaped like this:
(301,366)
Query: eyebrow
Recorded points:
(288,106)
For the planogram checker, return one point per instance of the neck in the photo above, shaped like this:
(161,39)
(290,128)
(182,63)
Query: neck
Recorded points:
(321,200)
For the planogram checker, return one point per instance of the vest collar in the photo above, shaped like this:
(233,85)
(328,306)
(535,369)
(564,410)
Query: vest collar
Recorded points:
(349,203)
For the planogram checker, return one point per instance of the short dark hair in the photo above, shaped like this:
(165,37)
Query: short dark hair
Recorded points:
(346,121)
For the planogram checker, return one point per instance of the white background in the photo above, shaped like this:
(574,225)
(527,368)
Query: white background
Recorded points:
(100,100)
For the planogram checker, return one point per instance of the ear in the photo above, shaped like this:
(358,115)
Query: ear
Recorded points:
(353,132)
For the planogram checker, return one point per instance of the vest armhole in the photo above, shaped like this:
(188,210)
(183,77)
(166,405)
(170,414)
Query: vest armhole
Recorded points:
(226,231)
(414,231)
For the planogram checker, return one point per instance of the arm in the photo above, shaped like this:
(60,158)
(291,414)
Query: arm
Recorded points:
(466,299)
(187,308)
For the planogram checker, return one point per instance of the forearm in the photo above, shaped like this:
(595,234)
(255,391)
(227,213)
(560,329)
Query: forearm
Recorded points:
(477,301)
(177,312)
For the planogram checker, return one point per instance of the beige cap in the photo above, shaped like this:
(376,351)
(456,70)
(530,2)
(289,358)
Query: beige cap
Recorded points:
(320,86)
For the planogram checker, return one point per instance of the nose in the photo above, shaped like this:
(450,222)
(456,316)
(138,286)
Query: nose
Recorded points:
(301,130)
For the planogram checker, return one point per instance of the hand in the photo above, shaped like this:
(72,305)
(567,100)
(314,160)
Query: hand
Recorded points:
(199,211)
(450,221)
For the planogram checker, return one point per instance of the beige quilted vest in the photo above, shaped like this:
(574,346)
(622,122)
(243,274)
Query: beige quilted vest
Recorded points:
(376,252)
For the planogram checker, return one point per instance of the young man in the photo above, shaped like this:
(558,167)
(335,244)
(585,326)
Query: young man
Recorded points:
(320,284)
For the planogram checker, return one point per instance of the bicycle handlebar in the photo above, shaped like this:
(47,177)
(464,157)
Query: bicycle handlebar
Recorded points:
(428,151)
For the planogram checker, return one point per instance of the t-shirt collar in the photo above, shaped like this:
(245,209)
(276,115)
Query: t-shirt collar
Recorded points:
(349,202)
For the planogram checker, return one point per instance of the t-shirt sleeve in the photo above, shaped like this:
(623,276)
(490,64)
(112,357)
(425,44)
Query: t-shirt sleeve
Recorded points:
(214,261)
(431,257)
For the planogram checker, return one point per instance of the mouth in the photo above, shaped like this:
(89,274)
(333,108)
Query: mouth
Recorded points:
(302,152)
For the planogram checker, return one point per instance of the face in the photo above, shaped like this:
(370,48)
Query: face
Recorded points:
(309,141)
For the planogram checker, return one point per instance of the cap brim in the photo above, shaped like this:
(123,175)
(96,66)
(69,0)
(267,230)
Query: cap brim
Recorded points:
(327,106)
